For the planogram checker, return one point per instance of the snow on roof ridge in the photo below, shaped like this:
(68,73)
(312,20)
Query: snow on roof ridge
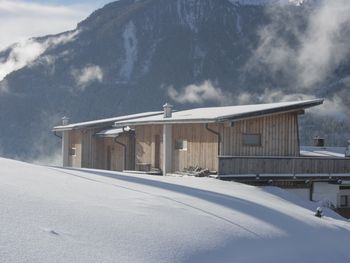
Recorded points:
(218,114)
(107,120)
(268,103)
(207,112)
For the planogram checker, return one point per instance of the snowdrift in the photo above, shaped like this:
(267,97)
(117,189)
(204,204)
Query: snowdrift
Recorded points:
(65,215)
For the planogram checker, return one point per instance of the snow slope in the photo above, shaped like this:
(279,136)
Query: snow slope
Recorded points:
(64,215)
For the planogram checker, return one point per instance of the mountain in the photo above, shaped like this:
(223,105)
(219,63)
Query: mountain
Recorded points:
(132,56)
(63,215)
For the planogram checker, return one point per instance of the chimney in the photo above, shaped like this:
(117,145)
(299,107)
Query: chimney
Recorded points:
(318,141)
(167,110)
(65,121)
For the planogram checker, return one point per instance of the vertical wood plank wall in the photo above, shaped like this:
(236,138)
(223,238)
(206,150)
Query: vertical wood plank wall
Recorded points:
(237,165)
(279,136)
(91,152)
(202,147)
(75,142)
(87,142)
(116,153)
(146,144)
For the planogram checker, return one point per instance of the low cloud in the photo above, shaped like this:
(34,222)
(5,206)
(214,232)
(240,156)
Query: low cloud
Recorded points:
(46,149)
(305,56)
(3,86)
(54,159)
(21,54)
(199,94)
(302,47)
(87,75)
(24,53)
(21,20)
(268,96)
(333,107)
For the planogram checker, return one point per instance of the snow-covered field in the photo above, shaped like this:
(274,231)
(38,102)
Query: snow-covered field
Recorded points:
(64,215)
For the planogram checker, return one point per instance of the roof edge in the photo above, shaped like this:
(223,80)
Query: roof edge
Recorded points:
(100,123)
(285,109)
(278,110)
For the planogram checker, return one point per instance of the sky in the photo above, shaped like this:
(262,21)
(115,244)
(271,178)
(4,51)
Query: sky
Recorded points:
(22,19)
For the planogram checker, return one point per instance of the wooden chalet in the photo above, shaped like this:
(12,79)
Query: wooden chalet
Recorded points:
(256,144)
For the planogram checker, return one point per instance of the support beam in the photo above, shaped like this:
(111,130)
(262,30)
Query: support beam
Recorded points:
(167,148)
(65,148)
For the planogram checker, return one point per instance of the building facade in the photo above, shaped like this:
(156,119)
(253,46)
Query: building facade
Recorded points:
(255,144)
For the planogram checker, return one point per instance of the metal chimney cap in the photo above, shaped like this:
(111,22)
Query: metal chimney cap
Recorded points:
(65,120)
(167,105)
(167,110)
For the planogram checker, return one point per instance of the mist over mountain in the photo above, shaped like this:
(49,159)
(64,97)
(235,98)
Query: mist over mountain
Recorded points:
(132,56)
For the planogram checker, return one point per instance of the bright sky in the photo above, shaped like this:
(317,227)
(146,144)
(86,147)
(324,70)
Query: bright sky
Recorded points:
(22,19)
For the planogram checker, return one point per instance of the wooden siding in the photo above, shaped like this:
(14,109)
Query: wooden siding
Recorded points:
(75,142)
(231,165)
(202,147)
(92,152)
(279,136)
(87,142)
(110,155)
(147,139)
(117,153)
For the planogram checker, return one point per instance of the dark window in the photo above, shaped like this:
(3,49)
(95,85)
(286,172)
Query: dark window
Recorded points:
(181,145)
(343,200)
(252,139)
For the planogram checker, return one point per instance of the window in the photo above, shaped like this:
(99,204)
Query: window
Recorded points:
(251,139)
(73,151)
(343,201)
(181,145)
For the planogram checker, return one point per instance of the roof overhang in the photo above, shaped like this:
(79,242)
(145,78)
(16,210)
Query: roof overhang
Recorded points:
(286,109)
(297,107)
(112,133)
(231,113)
(102,122)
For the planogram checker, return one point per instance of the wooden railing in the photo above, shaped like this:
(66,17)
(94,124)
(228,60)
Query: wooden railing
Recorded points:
(235,165)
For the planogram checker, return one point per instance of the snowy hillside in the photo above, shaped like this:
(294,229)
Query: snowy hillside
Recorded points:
(60,215)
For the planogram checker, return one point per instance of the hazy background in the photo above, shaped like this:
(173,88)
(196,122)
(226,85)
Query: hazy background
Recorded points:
(22,19)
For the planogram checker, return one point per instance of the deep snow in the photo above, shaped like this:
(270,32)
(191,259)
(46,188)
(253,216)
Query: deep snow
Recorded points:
(65,215)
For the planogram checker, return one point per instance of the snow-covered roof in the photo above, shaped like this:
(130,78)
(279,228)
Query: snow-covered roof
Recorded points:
(314,151)
(104,122)
(198,115)
(114,132)
(220,114)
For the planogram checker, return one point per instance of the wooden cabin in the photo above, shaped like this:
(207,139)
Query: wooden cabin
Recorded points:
(232,140)
(256,144)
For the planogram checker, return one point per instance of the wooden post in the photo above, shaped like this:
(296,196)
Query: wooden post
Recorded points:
(65,143)
(167,148)
(65,148)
